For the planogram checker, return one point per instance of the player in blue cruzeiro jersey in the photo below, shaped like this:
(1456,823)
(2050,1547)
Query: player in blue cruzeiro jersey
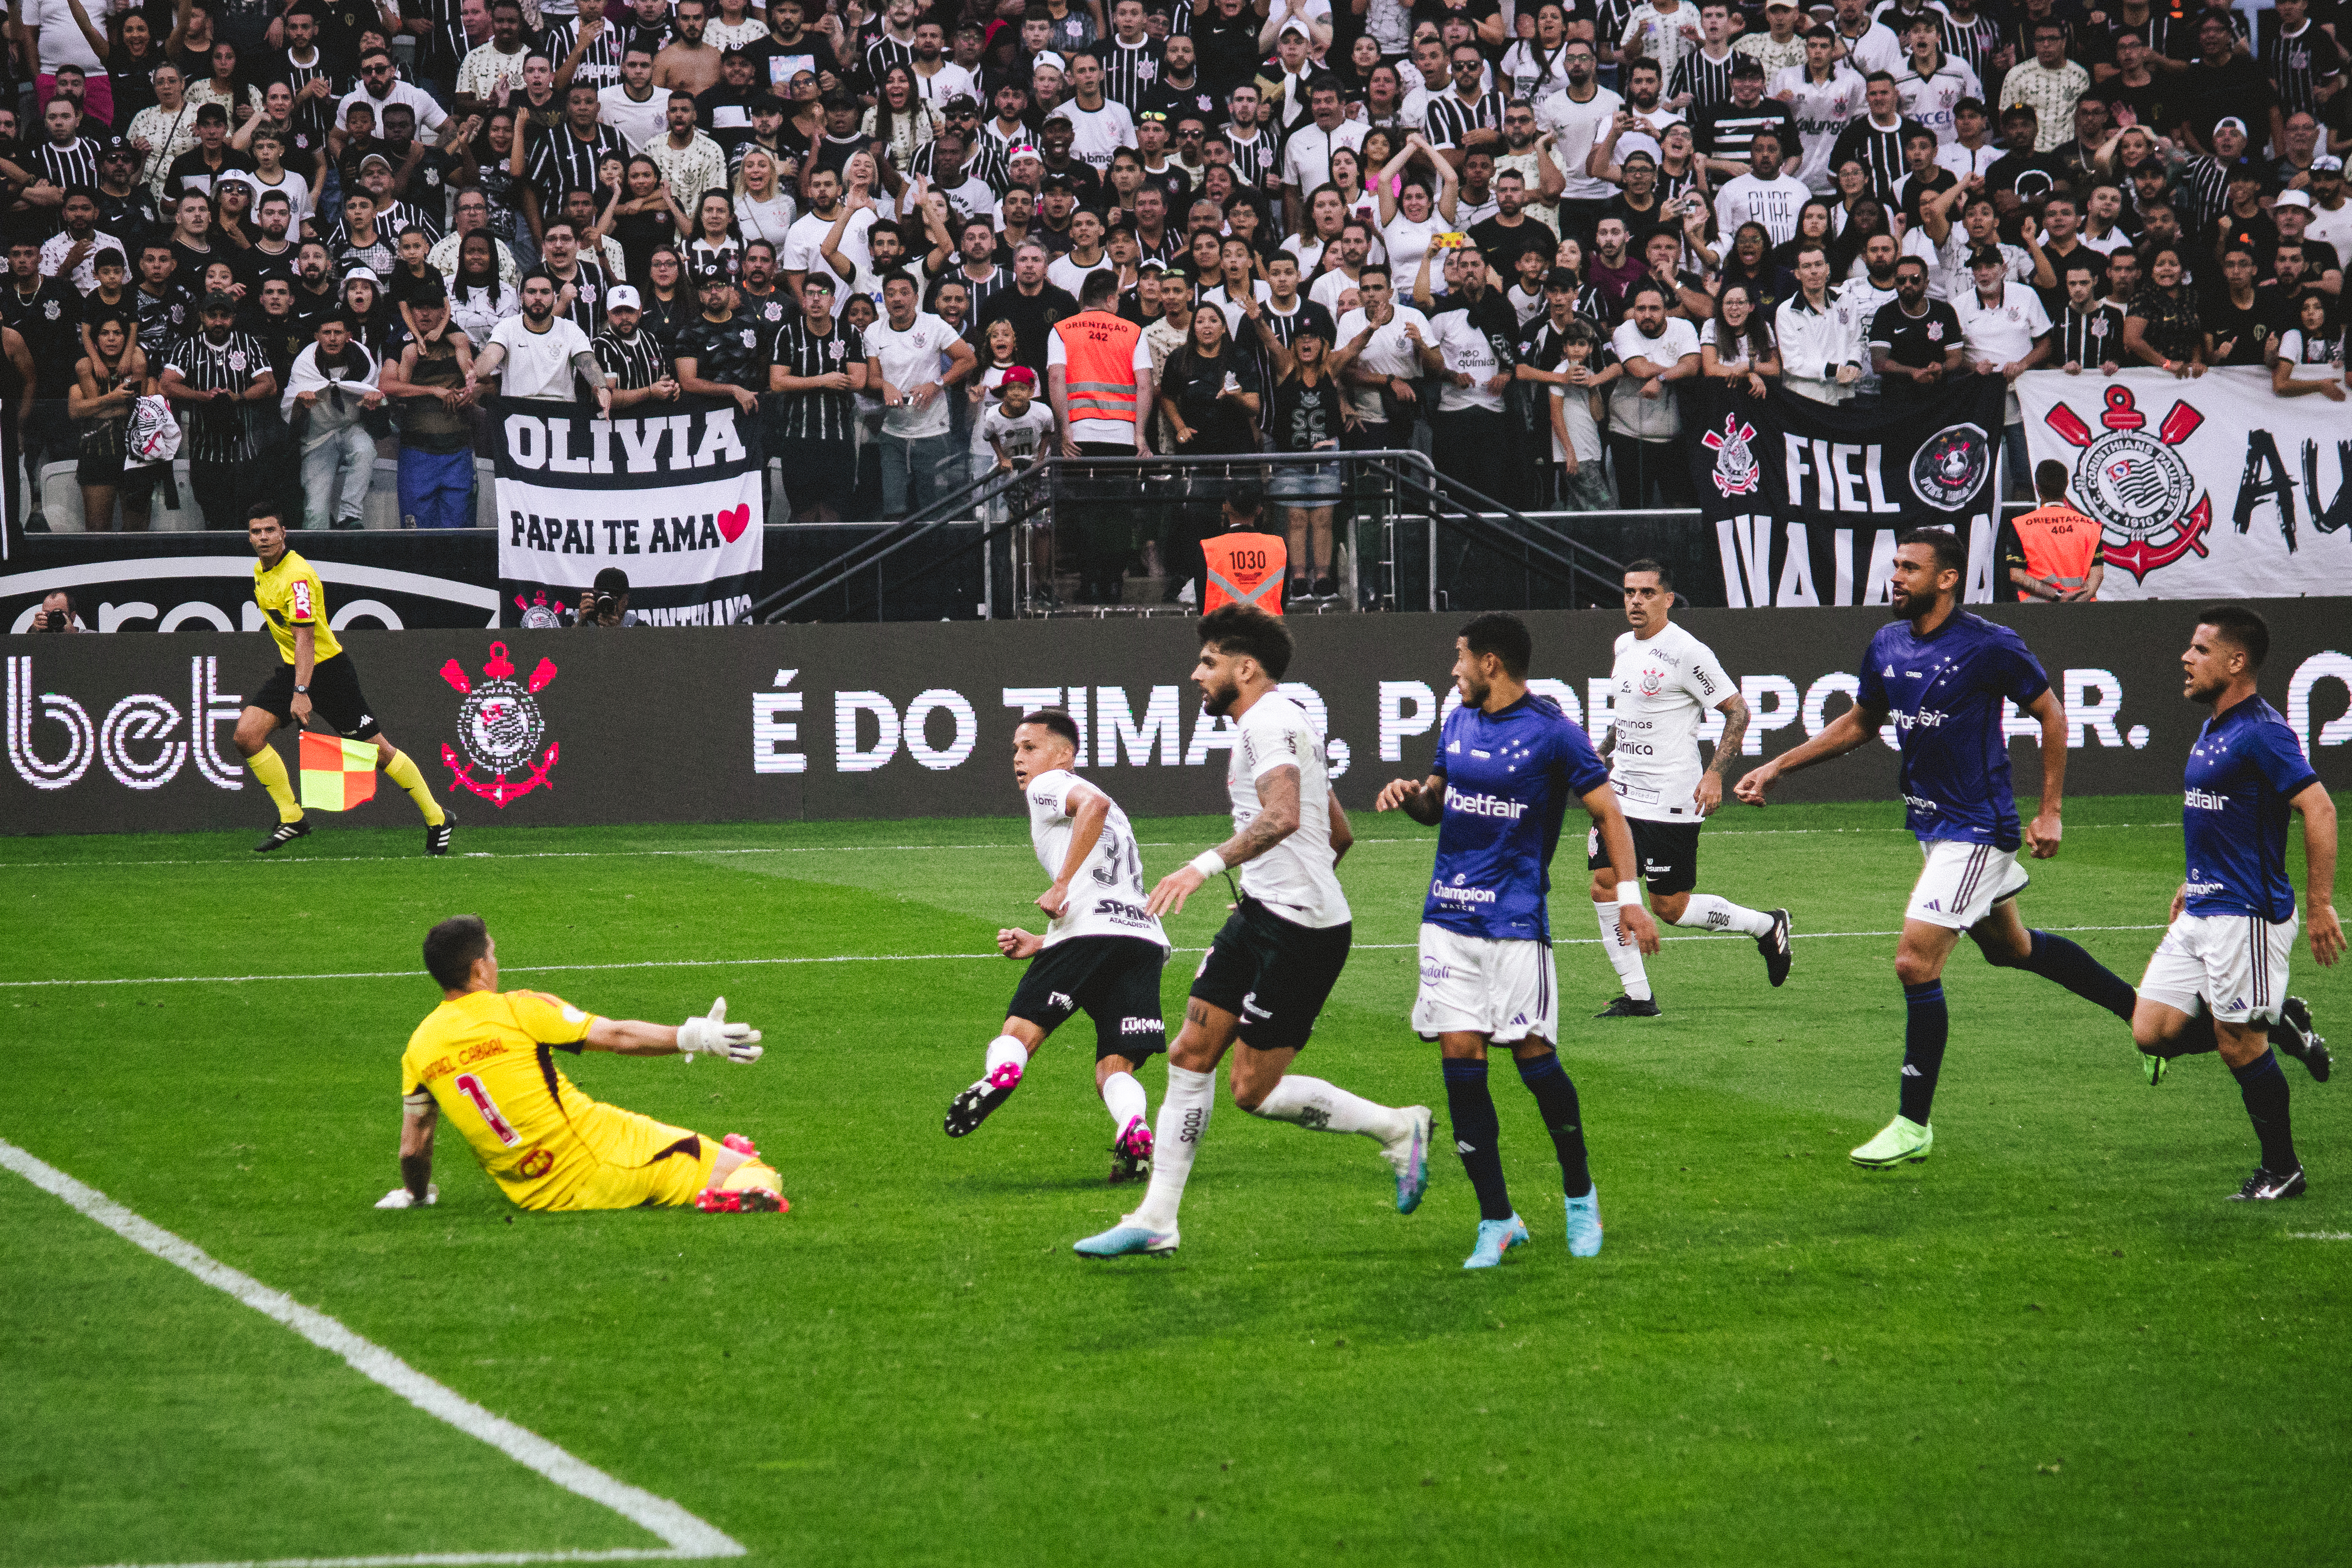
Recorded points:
(1941,675)
(2219,979)
(1508,762)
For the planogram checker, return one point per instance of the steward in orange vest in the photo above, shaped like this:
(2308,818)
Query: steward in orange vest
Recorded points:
(1090,377)
(2056,547)
(1244,568)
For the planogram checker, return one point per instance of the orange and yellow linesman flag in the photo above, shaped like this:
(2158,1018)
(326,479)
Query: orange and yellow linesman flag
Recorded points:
(337,774)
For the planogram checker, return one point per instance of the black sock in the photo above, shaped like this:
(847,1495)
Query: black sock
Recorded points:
(2264,1089)
(1555,1094)
(2055,959)
(1928,1027)
(1476,1132)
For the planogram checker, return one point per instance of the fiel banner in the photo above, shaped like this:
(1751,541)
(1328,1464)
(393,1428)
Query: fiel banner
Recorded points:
(1805,498)
(671,497)
(2207,487)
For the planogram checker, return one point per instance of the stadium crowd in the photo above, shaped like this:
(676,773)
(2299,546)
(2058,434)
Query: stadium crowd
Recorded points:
(1509,235)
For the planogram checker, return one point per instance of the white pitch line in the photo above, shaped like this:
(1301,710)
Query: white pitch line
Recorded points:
(875,958)
(683,1535)
(2319,1235)
(882,849)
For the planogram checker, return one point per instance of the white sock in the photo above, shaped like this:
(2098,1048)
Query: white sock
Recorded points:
(1709,912)
(1623,956)
(1326,1108)
(1183,1122)
(1004,1048)
(1123,1097)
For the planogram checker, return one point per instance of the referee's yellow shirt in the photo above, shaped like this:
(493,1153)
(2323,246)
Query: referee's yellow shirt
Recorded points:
(291,595)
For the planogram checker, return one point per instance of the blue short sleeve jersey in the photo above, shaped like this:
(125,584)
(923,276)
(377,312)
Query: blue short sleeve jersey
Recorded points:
(1509,776)
(2244,768)
(1944,693)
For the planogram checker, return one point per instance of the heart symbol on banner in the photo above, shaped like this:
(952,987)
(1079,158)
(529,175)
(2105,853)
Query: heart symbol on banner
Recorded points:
(734,520)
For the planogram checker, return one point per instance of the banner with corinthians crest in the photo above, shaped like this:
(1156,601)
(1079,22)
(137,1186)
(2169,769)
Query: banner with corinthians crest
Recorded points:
(669,493)
(1805,498)
(2207,487)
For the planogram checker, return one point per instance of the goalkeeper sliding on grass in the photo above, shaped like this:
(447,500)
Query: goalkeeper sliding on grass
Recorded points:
(483,1059)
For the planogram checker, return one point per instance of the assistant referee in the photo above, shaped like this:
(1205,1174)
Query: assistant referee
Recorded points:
(314,675)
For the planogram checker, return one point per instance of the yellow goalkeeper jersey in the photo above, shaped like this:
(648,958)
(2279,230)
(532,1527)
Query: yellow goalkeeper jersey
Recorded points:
(487,1059)
(291,595)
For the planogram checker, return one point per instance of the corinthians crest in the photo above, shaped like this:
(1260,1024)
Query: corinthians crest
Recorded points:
(1737,471)
(2135,483)
(500,726)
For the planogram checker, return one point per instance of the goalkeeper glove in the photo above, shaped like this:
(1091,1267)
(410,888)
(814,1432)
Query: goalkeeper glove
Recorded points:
(400,1198)
(716,1036)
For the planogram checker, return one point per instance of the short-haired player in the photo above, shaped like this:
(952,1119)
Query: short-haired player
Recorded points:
(2218,980)
(1507,764)
(1663,684)
(1941,675)
(1102,955)
(1271,966)
(484,1058)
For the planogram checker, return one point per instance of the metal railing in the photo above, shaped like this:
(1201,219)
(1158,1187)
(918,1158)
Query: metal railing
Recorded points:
(1385,491)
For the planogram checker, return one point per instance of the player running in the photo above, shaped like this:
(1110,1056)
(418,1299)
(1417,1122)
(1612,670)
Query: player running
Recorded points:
(1941,675)
(1665,679)
(1102,955)
(482,1058)
(313,675)
(1507,763)
(2218,979)
(1274,962)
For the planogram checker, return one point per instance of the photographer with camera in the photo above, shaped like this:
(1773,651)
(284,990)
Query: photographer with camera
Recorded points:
(57,613)
(607,603)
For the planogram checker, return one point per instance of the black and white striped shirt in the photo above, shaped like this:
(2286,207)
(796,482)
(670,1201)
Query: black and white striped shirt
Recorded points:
(600,63)
(440,50)
(984,163)
(1707,81)
(1450,119)
(1881,152)
(2092,337)
(219,432)
(310,115)
(885,52)
(74,164)
(1975,43)
(1254,160)
(634,361)
(407,214)
(818,416)
(1130,73)
(2205,183)
(589,286)
(561,162)
(2296,66)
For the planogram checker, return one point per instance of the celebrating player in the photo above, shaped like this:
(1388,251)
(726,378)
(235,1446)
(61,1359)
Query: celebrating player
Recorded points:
(1665,679)
(2218,977)
(1942,674)
(1508,762)
(1276,958)
(1102,954)
(482,1058)
(313,673)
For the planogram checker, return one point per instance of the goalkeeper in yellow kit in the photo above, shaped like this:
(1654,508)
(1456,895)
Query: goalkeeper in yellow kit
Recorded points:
(484,1059)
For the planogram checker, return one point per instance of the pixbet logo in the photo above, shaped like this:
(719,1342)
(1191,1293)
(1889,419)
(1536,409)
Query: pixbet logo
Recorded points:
(140,739)
(500,726)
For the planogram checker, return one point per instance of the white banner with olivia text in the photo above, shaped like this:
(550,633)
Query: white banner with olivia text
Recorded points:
(2209,486)
(671,498)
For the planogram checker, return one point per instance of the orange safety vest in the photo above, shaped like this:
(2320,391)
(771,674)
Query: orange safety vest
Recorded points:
(2059,544)
(1098,365)
(1244,568)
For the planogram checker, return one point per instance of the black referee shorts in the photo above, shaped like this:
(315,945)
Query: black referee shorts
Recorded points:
(335,697)
(1272,974)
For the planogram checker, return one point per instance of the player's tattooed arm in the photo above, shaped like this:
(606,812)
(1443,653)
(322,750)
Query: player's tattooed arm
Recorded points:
(2041,834)
(1278,817)
(1734,709)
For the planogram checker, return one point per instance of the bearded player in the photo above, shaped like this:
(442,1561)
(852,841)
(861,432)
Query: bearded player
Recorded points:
(483,1059)
(1665,681)
(2218,980)
(1273,964)
(1102,955)
(1509,761)
(1941,675)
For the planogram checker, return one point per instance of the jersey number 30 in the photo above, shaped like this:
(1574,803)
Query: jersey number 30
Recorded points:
(471,1088)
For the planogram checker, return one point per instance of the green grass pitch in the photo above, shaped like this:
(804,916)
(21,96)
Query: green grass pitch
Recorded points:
(2051,1343)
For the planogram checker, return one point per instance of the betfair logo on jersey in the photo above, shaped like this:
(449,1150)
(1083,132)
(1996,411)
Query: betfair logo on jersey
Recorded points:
(1925,719)
(1484,805)
(2201,801)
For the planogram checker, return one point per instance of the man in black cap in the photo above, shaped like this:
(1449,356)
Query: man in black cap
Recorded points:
(200,166)
(217,374)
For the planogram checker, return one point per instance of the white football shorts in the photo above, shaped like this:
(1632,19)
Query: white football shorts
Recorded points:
(1962,882)
(2237,963)
(1505,990)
